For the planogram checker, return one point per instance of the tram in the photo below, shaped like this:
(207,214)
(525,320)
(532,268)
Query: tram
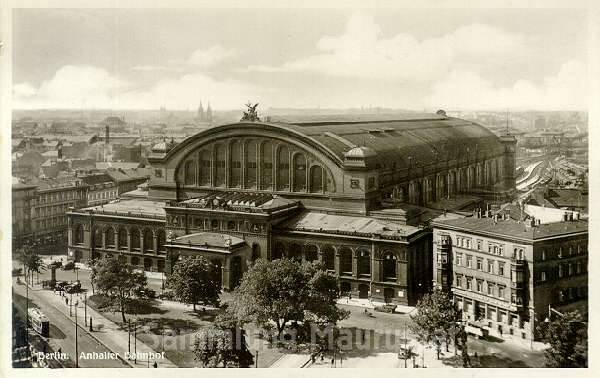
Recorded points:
(39,322)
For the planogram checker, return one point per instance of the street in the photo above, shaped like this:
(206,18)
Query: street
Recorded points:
(62,331)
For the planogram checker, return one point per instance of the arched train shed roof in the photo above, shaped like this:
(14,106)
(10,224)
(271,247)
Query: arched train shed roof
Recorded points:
(394,141)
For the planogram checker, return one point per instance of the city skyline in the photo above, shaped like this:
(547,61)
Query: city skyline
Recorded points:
(144,59)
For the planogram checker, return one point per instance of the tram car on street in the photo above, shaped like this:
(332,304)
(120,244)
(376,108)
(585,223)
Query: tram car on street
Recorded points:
(39,322)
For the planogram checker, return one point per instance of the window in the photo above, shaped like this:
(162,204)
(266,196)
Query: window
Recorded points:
(371,182)
(479,245)
(205,168)
(354,183)
(560,271)
(570,269)
(479,286)
(501,268)
(578,267)
(490,266)
(235,172)
(479,264)
(158,173)
(560,253)
(468,243)
(458,280)
(469,283)
(543,254)
(543,276)
(459,259)
(490,289)
(469,261)
(283,169)
(299,173)
(214,224)
(501,291)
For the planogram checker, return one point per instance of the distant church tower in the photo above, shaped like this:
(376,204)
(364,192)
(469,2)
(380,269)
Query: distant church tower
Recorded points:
(209,115)
(200,115)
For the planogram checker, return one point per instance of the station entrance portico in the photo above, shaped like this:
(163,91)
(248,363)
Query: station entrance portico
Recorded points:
(229,254)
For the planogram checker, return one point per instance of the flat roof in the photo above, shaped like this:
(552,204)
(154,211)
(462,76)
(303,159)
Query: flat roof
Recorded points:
(210,239)
(331,223)
(513,229)
(132,206)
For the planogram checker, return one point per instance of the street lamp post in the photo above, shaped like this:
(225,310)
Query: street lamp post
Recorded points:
(76,346)
(85,307)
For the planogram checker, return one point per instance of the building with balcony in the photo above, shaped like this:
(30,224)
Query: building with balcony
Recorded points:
(505,274)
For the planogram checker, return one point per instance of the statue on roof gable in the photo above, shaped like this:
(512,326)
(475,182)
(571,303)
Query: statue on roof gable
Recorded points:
(250,115)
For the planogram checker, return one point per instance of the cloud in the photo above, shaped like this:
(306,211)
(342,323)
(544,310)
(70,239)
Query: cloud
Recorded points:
(362,51)
(70,87)
(150,68)
(468,90)
(74,87)
(209,57)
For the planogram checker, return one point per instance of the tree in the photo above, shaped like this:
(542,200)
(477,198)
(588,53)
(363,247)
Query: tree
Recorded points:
(284,290)
(31,260)
(118,281)
(437,319)
(568,341)
(93,273)
(194,281)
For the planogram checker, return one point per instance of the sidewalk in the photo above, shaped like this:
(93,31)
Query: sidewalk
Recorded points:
(292,360)
(105,331)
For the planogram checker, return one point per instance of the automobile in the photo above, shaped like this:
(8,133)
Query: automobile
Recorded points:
(75,287)
(69,266)
(147,293)
(61,285)
(55,264)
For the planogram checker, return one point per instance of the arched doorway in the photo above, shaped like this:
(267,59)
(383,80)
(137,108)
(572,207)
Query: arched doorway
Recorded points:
(328,257)
(255,251)
(278,252)
(363,291)
(236,271)
(345,288)
(388,295)
(311,252)
(295,252)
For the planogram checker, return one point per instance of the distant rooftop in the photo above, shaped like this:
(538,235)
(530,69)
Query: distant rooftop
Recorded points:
(132,207)
(513,229)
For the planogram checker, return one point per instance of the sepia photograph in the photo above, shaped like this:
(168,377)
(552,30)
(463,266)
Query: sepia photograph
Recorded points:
(305,187)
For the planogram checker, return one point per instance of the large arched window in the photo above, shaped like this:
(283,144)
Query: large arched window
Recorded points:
(328,257)
(235,179)
(255,251)
(190,173)
(299,173)
(109,236)
(123,238)
(364,263)
(278,251)
(316,179)
(295,252)
(205,168)
(389,266)
(135,261)
(345,261)
(251,164)
(135,239)
(148,241)
(283,169)
(78,234)
(311,252)
(266,167)
(161,238)
(97,238)
(220,154)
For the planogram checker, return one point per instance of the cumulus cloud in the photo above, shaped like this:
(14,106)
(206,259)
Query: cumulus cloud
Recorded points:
(362,51)
(209,57)
(87,86)
(468,90)
(70,87)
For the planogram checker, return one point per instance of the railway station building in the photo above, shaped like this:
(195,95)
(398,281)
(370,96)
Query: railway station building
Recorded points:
(351,194)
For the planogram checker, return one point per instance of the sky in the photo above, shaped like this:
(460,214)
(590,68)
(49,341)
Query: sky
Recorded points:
(419,59)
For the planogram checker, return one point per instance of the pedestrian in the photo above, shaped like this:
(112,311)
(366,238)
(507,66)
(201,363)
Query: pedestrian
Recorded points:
(155,364)
(66,301)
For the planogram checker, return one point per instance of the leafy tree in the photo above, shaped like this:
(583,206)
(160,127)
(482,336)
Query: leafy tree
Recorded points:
(568,341)
(436,320)
(194,281)
(284,290)
(223,344)
(31,260)
(118,281)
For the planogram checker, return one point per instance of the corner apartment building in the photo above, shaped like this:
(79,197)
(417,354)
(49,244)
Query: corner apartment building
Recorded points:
(504,274)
